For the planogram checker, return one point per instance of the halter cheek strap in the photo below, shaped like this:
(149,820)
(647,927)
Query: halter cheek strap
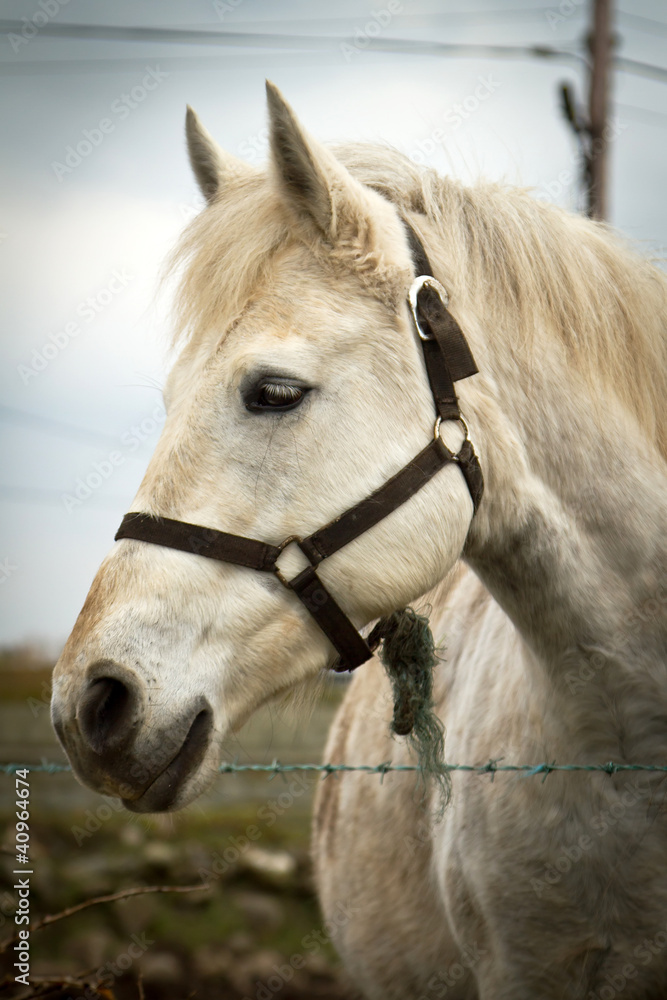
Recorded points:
(447,358)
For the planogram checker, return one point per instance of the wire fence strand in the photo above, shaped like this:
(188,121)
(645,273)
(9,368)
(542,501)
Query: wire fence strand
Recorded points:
(492,767)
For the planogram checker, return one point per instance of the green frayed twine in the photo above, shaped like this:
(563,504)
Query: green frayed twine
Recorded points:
(408,655)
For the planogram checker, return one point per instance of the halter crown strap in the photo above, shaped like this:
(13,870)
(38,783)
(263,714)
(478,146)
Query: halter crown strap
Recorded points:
(448,359)
(447,355)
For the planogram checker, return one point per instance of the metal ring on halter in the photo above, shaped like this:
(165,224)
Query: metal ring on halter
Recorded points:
(436,428)
(425,281)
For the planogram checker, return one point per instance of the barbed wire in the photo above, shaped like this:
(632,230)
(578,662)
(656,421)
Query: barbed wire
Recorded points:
(494,766)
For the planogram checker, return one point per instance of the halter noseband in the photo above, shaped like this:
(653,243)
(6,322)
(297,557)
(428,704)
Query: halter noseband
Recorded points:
(448,359)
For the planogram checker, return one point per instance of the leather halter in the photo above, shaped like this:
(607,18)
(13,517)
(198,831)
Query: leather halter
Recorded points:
(448,358)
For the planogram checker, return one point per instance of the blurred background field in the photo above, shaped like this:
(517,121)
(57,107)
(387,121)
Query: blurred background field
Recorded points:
(248,838)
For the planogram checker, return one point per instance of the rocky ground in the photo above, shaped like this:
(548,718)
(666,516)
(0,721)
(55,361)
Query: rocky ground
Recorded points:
(252,930)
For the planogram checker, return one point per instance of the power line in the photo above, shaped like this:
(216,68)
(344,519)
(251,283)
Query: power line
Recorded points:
(456,17)
(184,36)
(269,40)
(636,68)
(463,17)
(309,43)
(306,45)
(646,115)
(646,24)
(178,63)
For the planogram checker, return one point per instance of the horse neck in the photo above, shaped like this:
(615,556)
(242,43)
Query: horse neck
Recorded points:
(571,542)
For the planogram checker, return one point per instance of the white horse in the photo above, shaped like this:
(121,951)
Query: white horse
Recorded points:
(298,390)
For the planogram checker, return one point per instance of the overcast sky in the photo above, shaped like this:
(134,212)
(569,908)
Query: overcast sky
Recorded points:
(83,233)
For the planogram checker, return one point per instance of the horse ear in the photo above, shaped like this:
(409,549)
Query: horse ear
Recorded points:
(314,181)
(211,165)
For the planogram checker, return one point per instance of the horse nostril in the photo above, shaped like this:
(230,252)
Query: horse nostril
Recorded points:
(106,713)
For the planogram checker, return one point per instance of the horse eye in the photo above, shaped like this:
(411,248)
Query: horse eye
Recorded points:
(275,394)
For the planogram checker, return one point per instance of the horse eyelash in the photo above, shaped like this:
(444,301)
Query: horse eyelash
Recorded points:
(275,395)
(282,394)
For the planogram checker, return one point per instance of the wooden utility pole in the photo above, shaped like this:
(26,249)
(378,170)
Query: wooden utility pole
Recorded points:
(591,129)
(598,108)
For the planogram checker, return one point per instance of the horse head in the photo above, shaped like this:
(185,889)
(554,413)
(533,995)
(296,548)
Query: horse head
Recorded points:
(299,389)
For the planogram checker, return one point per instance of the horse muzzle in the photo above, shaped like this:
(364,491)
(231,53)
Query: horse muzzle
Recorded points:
(116,747)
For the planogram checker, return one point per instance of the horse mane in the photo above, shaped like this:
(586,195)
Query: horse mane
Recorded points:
(541,270)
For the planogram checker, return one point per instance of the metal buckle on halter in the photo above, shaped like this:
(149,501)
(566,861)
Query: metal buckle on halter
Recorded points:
(424,281)
(281,547)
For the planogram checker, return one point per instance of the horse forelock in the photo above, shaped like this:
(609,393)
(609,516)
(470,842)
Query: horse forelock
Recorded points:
(221,258)
(226,255)
(531,272)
